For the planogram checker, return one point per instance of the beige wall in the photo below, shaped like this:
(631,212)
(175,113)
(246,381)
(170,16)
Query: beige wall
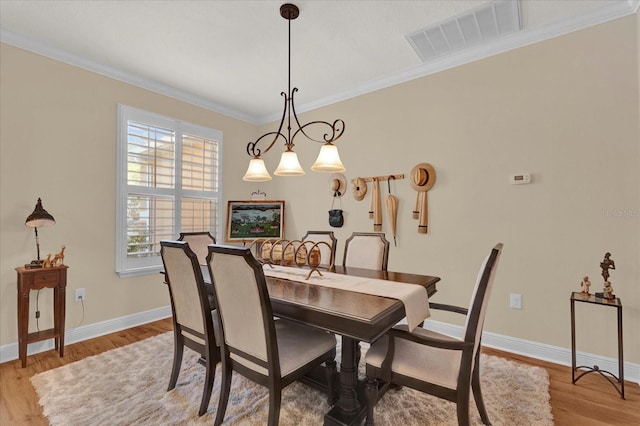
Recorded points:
(58,142)
(565,110)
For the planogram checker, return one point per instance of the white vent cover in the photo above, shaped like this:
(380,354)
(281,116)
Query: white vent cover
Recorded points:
(481,25)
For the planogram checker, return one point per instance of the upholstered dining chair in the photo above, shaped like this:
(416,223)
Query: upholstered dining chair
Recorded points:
(198,241)
(369,250)
(194,323)
(272,353)
(433,363)
(327,255)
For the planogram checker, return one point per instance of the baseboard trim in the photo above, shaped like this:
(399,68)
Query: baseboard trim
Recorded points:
(9,352)
(541,351)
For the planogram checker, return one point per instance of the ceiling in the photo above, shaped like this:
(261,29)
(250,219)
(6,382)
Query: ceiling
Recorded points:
(231,56)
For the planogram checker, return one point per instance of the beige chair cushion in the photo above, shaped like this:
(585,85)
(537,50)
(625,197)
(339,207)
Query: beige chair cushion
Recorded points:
(184,289)
(297,345)
(426,363)
(216,331)
(198,243)
(239,304)
(365,251)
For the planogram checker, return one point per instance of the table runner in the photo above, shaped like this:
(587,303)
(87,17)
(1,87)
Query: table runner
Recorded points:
(413,296)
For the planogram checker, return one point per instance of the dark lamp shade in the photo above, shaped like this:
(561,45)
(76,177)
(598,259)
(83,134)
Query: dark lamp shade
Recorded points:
(40,217)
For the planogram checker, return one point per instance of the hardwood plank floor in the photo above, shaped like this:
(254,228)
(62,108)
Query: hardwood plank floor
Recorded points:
(592,402)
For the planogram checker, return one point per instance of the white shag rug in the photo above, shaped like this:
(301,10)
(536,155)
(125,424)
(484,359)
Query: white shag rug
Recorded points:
(128,386)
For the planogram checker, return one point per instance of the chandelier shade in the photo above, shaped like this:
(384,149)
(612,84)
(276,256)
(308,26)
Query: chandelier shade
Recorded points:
(328,160)
(257,171)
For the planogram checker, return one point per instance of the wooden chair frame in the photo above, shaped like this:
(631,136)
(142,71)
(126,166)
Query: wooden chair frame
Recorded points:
(274,380)
(467,380)
(334,242)
(209,350)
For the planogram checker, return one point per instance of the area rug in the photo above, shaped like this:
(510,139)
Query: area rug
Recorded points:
(128,386)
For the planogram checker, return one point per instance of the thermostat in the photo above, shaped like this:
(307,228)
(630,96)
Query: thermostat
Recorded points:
(520,179)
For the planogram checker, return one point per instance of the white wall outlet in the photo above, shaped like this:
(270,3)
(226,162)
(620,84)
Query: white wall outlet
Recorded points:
(515,301)
(80,294)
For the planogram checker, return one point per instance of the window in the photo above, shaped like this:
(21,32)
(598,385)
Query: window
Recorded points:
(168,181)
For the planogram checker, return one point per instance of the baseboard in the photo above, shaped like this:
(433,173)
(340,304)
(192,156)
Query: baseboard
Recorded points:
(9,352)
(541,351)
(554,354)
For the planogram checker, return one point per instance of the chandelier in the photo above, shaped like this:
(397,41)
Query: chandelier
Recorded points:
(328,160)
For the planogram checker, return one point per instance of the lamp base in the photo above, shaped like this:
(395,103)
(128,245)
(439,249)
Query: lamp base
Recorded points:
(34,264)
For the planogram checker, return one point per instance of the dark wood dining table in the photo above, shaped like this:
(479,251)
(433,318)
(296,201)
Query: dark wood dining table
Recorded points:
(356,317)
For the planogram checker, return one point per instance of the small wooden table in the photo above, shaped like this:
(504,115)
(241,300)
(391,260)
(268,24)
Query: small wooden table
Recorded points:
(616,303)
(36,279)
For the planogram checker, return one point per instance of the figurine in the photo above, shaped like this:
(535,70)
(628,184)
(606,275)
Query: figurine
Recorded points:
(607,264)
(584,285)
(46,263)
(58,258)
(607,291)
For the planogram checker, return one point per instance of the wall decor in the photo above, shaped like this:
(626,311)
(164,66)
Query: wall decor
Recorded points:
(423,177)
(252,220)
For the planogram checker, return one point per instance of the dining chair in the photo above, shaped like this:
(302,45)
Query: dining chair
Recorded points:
(434,363)
(272,353)
(369,250)
(195,324)
(198,241)
(327,255)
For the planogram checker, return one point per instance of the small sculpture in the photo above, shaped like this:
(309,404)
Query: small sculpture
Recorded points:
(607,291)
(584,285)
(46,263)
(58,258)
(607,264)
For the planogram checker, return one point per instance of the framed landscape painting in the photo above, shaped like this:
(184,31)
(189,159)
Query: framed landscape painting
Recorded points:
(254,220)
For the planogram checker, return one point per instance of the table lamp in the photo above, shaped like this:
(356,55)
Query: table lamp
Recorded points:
(39,218)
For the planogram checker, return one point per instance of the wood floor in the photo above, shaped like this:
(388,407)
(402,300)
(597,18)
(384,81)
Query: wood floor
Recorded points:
(591,402)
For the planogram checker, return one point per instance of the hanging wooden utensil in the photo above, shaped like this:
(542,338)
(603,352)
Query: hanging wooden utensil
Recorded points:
(391,203)
(423,177)
(377,206)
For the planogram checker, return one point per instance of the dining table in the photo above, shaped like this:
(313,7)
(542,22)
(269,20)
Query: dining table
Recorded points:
(355,316)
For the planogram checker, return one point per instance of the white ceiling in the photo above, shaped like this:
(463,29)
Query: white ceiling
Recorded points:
(231,56)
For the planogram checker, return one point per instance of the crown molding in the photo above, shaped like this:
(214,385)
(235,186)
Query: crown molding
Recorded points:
(61,55)
(526,37)
(517,40)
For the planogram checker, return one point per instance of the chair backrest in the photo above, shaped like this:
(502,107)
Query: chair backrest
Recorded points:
(480,297)
(189,300)
(369,250)
(327,255)
(245,308)
(198,241)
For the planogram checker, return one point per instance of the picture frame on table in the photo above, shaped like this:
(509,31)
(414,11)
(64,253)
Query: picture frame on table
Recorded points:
(250,220)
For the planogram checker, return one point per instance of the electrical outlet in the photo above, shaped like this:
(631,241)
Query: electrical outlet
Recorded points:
(515,301)
(80,295)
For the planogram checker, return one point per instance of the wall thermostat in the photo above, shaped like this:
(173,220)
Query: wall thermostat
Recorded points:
(520,179)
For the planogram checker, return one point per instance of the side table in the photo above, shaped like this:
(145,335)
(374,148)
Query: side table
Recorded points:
(619,380)
(36,279)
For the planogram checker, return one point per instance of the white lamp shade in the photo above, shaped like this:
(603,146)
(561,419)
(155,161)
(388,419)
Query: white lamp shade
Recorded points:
(328,160)
(257,171)
(289,165)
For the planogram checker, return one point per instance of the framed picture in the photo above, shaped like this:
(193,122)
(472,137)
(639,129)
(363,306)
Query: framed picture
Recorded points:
(254,220)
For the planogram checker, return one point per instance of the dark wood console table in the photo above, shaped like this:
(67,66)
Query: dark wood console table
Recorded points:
(36,279)
(619,380)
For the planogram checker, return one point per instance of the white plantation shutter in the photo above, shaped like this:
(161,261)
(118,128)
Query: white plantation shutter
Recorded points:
(168,182)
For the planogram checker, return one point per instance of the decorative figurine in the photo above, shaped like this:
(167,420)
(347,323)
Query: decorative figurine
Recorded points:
(46,263)
(584,285)
(58,258)
(607,291)
(607,264)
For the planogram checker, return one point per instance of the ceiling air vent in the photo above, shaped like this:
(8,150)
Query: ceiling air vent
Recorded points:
(471,29)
